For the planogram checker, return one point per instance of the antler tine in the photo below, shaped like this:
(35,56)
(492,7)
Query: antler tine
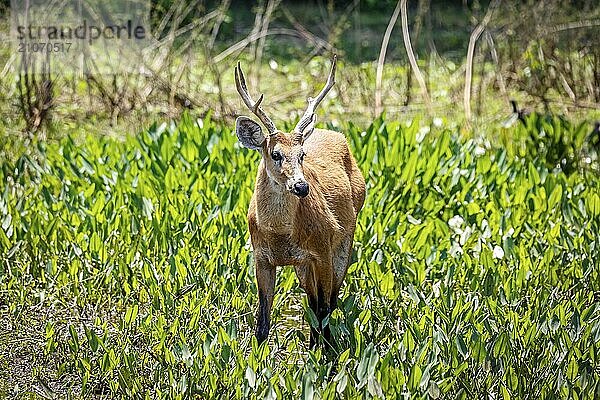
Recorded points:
(240,84)
(313,103)
(257,105)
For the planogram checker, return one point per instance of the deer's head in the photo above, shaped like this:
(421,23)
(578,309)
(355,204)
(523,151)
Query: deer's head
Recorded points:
(282,152)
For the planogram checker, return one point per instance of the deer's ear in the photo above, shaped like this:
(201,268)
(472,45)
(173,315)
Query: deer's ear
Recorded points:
(249,133)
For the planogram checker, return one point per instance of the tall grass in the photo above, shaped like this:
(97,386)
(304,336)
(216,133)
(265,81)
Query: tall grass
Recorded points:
(126,272)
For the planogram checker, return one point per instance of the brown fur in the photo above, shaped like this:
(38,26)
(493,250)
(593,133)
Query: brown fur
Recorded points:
(314,234)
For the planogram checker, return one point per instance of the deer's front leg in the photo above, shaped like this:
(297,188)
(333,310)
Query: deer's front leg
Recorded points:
(324,295)
(265,278)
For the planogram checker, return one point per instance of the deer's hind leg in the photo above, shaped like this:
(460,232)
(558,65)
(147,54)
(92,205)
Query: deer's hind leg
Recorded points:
(325,280)
(308,282)
(341,261)
(316,278)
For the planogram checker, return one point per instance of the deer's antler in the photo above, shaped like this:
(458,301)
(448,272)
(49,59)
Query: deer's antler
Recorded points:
(309,117)
(240,83)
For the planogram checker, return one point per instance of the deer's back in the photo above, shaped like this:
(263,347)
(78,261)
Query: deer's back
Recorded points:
(328,155)
(326,146)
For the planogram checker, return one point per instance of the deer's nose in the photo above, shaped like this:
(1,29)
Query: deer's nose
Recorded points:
(300,189)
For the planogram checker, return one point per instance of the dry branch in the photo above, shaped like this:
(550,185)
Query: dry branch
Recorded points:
(411,54)
(242,44)
(470,52)
(381,59)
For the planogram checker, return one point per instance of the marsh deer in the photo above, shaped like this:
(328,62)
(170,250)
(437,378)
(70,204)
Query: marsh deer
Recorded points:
(303,212)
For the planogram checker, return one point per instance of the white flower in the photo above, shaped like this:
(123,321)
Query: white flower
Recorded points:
(400,242)
(485,227)
(456,222)
(437,121)
(413,220)
(273,64)
(498,252)
(477,248)
(421,134)
(508,234)
(465,235)
(479,151)
(456,250)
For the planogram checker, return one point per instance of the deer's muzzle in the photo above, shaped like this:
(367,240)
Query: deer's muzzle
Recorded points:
(300,189)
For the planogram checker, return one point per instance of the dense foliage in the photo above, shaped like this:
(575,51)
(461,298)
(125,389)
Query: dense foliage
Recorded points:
(126,272)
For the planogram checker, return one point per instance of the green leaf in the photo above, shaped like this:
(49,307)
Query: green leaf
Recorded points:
(342,382)
(251,377)
(131,315)
(555,197)
(95,242)
(311,317)
(461,346)
(414,378)
(572,369)
(592,203)
(171,180)
(307,386)
(368,362)
(505,394)
(534,176)
(500,345)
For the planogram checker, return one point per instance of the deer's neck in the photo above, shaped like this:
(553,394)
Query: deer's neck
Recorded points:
(275,206)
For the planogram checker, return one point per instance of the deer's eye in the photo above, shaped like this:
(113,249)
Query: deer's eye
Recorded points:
(276,156)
